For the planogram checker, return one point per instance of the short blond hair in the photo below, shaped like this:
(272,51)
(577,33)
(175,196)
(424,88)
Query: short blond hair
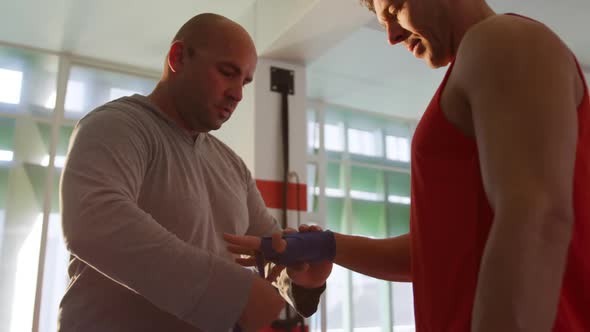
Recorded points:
(369,4)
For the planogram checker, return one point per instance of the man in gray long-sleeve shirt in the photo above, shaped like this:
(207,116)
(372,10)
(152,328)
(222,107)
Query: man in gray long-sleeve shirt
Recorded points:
(147,194)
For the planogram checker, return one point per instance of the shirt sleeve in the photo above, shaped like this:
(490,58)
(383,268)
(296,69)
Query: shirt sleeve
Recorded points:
(104,227)
(261,222)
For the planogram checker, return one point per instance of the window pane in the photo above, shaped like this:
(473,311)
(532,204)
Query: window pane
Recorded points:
(364,142)
(398,219)
(398,183)
(398,187)
(397,148)
(334,182)
(336,297)
(334,137)
(6,156)
(10,86)
(403,307)
(24,196)
(5,283)
(368,303)
(27,81)
(376,205)
(25,275)
(55,277)
(368,218)
(366,184)
(89,88)
(32,139)
(21,234)
(75,96)
(7,127)
(398,207)
(335,214)
(4,172)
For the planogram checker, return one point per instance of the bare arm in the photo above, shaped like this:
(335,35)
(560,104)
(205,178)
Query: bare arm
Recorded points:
(519,82)
(387,259)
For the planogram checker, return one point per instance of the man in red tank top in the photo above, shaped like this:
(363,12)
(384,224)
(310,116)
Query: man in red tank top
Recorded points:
(500,234)
(500,219)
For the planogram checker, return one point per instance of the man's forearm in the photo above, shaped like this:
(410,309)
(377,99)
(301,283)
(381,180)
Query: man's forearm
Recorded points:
(521,273)
(387,259)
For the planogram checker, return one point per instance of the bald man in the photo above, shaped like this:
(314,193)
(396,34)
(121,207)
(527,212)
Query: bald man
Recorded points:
(147,193)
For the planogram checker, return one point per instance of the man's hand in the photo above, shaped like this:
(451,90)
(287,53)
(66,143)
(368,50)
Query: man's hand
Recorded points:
(264,306)
(308,275)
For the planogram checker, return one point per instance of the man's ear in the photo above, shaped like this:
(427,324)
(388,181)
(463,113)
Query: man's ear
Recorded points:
(176,55)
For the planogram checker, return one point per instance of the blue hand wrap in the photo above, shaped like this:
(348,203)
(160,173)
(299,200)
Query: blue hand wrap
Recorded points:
(301,247)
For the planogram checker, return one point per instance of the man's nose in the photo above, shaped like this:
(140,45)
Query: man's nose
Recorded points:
(235,93)
(396,34)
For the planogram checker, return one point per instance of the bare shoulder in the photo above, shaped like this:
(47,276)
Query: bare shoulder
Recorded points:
(513,35)
(510,46)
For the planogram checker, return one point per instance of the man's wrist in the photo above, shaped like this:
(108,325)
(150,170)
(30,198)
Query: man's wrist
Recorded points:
(318,287)
(301,247)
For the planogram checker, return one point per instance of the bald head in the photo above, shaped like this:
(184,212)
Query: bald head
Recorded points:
(208,31)
(208,64)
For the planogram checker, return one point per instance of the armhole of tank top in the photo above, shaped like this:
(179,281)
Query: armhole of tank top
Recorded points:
(584,83)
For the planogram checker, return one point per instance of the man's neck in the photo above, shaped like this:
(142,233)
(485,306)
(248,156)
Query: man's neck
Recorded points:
(472,13)
(160,98)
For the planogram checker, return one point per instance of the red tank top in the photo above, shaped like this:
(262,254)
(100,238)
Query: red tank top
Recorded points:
(451,219)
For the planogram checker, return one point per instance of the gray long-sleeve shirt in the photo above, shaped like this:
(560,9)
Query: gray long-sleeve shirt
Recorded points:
(144,207)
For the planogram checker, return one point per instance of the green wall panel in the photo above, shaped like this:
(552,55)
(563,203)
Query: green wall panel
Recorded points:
(398,219)
(7,134)
(398,184)
(368,218)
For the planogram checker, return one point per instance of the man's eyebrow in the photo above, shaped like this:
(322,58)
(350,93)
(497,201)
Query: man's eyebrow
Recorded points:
(236,69)
(231,66)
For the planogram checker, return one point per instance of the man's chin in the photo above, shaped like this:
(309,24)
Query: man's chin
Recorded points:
(436,61)
(216,125)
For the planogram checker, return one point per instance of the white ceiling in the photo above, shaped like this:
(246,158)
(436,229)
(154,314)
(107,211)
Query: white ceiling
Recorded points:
(135,32)
(364,72)
(349,61)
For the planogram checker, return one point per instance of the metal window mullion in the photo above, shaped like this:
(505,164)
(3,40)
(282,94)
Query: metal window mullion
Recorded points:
(347,170)
(24,115)
(321,165)
(101,65)
(89,62)
(389,317)
(62,81)
(373,166)
(387,117)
